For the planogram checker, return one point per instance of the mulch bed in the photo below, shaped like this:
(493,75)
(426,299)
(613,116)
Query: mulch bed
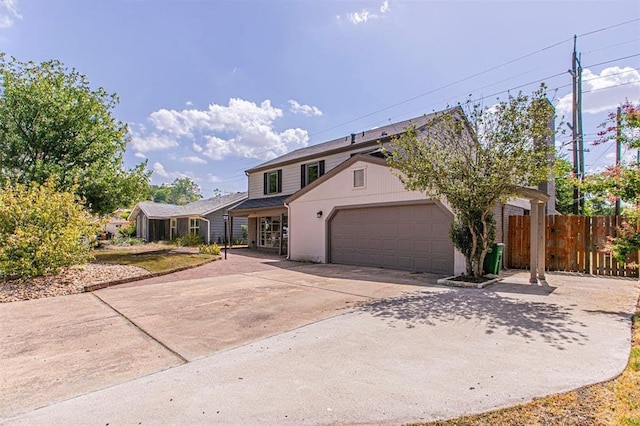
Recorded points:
(70,281)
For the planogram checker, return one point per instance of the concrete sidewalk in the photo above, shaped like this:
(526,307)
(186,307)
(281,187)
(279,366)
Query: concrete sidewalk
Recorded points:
(432,353)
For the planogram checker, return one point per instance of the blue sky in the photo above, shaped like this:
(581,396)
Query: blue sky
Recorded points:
(211,88)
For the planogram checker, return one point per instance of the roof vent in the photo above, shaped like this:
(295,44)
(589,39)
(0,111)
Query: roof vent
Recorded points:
(383,134)
(353,138)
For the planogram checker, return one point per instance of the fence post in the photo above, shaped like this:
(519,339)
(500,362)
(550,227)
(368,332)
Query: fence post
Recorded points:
(541,240)
(533,254)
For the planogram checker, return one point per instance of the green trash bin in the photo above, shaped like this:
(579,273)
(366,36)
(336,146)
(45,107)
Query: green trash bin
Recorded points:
(493,259)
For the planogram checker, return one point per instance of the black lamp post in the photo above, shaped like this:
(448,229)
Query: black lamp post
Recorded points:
(226,218)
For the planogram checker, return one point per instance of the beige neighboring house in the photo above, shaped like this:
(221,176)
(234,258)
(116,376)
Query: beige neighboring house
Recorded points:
(339,202)
(115,222)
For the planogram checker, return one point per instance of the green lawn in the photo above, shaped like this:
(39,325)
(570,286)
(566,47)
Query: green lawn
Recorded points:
(153,261)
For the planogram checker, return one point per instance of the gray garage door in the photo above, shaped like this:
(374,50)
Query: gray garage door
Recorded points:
(413,238)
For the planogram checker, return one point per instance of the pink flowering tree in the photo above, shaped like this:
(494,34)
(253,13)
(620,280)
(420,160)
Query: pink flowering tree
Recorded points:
(621,182)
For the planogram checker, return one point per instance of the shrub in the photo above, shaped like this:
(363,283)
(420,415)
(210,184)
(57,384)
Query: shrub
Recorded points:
(189,240)
(42,230)
(210,249)
(128,230)
(123,240)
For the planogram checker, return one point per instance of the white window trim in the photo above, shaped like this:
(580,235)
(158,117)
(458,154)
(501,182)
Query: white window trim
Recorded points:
(364,178)
(195,227)
(173,228)
(275,191)
(306,172)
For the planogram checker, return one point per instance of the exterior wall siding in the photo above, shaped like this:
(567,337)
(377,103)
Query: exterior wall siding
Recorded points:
(217,227)
(291,173)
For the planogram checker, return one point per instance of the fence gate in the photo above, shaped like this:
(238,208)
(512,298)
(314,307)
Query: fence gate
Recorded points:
(573,244)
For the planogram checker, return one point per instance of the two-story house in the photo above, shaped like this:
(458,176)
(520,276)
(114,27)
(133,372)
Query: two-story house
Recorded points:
(272,182)
(339,202)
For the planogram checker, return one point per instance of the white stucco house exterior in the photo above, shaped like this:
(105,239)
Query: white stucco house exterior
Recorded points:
(360,213)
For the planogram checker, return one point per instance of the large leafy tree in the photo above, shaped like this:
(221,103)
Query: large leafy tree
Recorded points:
(53,125)
(182,191)
(473,157)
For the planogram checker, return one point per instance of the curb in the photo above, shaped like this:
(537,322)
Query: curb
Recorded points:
(104,284)
(451,282)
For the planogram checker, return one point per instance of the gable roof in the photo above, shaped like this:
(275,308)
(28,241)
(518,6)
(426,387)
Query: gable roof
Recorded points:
(197,208)
(360,140)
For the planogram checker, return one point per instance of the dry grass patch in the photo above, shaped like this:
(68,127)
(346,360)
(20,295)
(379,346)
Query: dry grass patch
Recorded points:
(616,402)
(156,261)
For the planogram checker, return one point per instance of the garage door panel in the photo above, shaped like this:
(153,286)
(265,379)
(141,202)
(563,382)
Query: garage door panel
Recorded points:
(413,238)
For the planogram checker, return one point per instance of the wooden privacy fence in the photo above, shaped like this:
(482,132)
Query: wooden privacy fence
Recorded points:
(573,244)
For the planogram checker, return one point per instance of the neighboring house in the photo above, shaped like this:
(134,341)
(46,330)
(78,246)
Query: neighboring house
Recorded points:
(115,222)
(339,202)
(158,221)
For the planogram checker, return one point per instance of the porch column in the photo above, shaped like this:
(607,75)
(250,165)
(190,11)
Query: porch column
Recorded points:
(541,239)
(533,238)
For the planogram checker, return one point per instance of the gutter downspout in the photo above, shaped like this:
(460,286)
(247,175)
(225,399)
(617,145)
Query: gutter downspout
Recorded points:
(208,229)
(288,231)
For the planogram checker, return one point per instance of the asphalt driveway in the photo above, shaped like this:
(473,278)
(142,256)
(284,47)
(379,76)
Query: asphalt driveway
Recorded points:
(306,344)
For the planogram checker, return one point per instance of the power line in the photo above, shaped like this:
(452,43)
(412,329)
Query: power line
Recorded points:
(551,46)
(609,27)
(613,45)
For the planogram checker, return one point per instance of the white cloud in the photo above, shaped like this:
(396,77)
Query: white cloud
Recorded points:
(152,142)
(212,178)
(166,176)
(193,159)
(159,169)
(604,91)
(189,103)
(8,13)
(308,110)
(140,155)
(363,16)
(242,128)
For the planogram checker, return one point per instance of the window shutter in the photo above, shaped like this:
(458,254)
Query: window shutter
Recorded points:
(280,180)
(321,168)
(303,180)
(265,183)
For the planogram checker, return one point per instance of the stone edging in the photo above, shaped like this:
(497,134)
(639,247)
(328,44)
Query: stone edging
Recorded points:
(449,281)
(104,284)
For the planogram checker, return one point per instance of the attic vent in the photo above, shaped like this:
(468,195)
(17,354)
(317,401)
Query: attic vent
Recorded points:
(353,138)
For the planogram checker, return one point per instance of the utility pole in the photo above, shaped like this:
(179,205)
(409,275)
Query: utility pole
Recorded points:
(576,128)
(618,150)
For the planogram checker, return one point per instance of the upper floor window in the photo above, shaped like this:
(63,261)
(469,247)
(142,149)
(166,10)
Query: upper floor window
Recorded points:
(310,172)
(273,182)
(358,178)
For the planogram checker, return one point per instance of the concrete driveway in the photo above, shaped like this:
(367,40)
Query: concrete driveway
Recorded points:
(306,344)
